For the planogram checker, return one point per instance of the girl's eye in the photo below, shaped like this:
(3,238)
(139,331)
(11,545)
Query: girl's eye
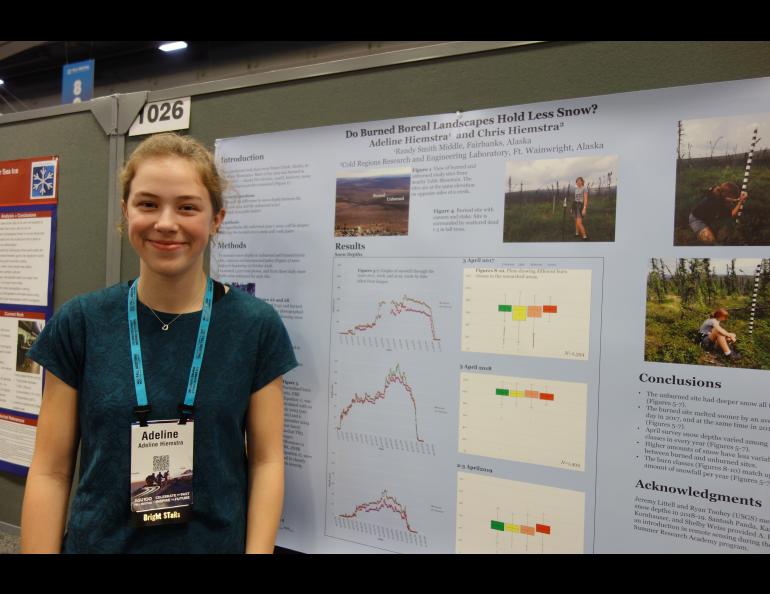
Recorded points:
(146,204)
(188,207)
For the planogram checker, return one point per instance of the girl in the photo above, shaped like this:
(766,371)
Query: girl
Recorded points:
(579,207)
(720,203)
(713,335)
(158,336)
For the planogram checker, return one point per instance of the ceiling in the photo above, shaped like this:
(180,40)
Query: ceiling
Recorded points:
(33,69)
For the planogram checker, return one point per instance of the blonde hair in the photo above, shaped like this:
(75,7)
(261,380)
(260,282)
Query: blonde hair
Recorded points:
(168,144)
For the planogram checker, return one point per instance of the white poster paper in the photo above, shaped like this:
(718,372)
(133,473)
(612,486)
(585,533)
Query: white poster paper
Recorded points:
(505,321)
(25,249)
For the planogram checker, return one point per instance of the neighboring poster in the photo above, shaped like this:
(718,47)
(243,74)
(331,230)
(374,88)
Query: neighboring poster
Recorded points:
(28,199)
(514,334)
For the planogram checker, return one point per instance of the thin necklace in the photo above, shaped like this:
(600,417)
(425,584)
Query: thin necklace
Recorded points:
(164,325)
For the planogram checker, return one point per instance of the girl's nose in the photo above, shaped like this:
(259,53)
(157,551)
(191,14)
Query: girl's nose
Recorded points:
(166,220)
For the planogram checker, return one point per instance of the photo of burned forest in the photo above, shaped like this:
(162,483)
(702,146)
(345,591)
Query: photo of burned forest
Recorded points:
(372,203)
(544,201)
(723,181)
(703,311)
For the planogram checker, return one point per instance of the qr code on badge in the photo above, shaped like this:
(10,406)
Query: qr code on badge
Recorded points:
(160,463)
(43,180)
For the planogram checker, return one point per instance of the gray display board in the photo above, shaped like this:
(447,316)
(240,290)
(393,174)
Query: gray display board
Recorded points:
(83,151)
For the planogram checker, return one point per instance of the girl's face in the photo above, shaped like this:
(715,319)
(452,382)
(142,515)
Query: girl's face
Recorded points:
(170,216)
(580,183)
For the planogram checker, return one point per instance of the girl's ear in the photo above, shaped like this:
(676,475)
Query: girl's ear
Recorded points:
(217,222)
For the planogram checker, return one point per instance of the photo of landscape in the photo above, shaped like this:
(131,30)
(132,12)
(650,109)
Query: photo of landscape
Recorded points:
(726,152)
(540,199)
(372,202)
(683,294)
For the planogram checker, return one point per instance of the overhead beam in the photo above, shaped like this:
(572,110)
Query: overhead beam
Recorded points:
(10,48)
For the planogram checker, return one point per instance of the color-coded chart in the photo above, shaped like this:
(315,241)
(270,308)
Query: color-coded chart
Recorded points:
(533,311)
(520,313)
(523,394)
(497,515)
(535,421)
(520,528)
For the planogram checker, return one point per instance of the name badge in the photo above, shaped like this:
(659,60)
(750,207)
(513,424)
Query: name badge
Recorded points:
(161,472)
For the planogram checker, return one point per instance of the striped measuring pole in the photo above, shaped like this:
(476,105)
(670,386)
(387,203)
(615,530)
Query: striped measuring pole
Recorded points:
(747,171)
(754,295)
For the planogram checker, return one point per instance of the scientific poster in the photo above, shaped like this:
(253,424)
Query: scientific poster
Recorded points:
(528,329)
(28,199)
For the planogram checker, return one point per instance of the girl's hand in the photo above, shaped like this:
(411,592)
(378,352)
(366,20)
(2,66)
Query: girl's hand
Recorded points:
(743,197)
(584,211)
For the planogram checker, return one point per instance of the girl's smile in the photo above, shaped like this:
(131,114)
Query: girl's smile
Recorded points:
(170,216)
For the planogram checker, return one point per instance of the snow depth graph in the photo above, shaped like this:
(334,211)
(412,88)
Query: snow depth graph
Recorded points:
(386,402)
(534,421)
(527,310)
(390,303)
(384,501)
(390,438)
(502,516)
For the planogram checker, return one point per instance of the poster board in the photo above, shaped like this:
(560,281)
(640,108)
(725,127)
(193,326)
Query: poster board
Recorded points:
(437,259)
(28,199)
(84,159)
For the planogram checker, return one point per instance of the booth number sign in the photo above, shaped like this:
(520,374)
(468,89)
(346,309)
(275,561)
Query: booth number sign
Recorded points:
(162,116)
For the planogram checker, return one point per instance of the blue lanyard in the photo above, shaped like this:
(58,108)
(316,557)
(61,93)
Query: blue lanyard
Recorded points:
(143,407)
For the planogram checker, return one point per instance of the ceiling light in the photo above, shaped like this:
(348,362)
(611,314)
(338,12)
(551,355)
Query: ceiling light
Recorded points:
(2,82)
(173,46)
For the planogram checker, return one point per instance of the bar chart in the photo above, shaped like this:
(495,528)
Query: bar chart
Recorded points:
(528,311)
(503,516)
(534,421)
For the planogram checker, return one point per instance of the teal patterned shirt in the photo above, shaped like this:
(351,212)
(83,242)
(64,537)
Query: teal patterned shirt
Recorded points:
(86,345)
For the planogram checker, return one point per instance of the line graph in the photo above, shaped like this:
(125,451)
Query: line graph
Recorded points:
(394,304)
(385,505)
(527,310)
(385,502)
(503,516)
(394,377)
(377,401)
(397,307)
(534,421)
